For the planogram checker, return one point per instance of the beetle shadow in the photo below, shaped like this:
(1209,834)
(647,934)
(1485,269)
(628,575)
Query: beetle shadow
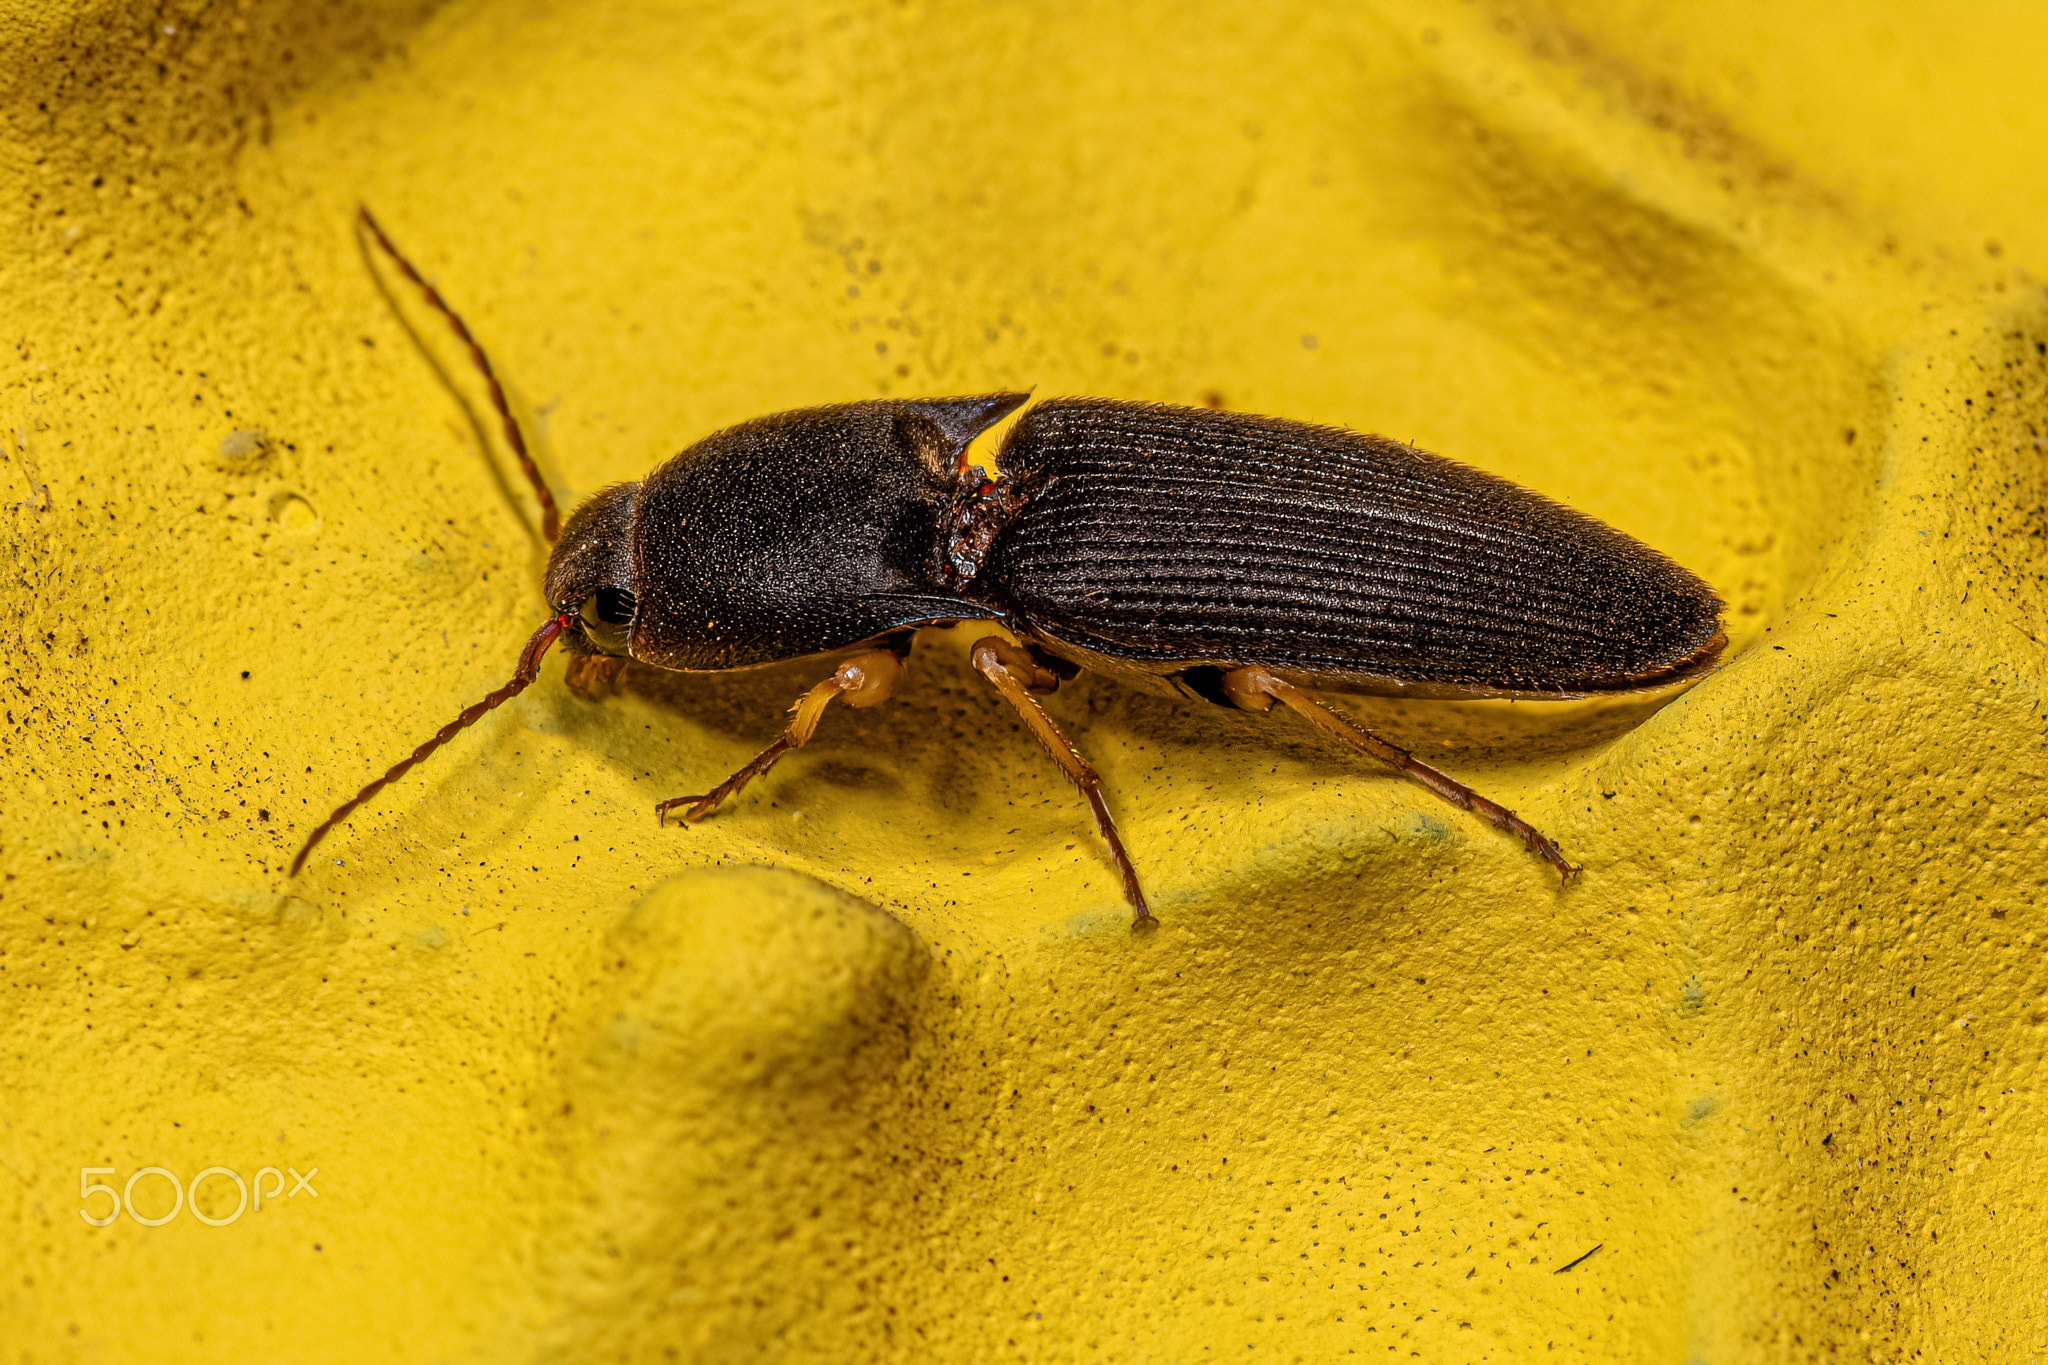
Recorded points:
(1480,733)
(743,704)
(859,751)
(854,748)
(751,703)
(944,782)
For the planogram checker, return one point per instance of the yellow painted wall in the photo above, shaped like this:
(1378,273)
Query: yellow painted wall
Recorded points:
(868,1067)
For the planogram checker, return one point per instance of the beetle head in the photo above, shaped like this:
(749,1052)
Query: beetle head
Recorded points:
(590,574)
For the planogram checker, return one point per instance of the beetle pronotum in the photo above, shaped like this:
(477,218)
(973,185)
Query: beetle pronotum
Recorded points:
(1240,560)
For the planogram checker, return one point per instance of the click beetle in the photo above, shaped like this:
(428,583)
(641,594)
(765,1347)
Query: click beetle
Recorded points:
(1229,558)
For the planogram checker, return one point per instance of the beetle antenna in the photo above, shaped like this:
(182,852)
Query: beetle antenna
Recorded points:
(550,516)
(529,668)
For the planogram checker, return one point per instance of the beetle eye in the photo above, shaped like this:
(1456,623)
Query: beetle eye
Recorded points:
(606,613)
(609,607)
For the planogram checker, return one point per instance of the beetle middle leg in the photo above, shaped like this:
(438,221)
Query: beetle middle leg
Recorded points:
(867,679)
(1255,689)
(1016,674)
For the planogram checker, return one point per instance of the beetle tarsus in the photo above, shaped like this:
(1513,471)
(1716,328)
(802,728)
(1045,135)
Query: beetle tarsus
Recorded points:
(1256,689)
(1016,675)
(701,806)
(867,679)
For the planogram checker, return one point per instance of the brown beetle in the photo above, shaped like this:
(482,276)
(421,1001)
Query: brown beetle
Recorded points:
(1235,559)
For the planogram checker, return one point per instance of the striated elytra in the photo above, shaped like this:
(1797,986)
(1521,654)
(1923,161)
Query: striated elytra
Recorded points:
(1234,559)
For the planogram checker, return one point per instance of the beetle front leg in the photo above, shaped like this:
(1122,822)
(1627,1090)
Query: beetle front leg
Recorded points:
(866,679)
(592,677)
(1256,689)
(1017,675)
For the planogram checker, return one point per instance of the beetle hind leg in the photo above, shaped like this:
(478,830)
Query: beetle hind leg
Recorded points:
(1017,674)
(866,679)
(1256,689)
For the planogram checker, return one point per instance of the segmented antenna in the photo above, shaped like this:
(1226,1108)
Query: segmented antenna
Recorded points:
(529,668)
(550,517)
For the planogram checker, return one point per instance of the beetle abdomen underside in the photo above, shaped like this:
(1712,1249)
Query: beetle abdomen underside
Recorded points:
(1155,534)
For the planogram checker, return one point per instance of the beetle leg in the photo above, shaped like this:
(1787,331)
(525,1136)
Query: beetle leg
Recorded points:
(866,679)
(1016,674)
(1256,689)
(594,676)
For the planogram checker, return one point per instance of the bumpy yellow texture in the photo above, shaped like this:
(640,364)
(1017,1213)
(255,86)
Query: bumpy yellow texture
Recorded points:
(869,1068)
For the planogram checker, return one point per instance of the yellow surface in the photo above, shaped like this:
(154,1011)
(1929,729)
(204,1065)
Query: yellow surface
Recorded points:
(1747,280)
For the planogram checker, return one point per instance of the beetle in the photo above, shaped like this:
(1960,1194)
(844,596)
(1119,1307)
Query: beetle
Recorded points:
(1238,560)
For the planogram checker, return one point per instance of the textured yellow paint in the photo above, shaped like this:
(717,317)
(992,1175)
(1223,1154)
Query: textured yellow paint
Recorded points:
(1746,282)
